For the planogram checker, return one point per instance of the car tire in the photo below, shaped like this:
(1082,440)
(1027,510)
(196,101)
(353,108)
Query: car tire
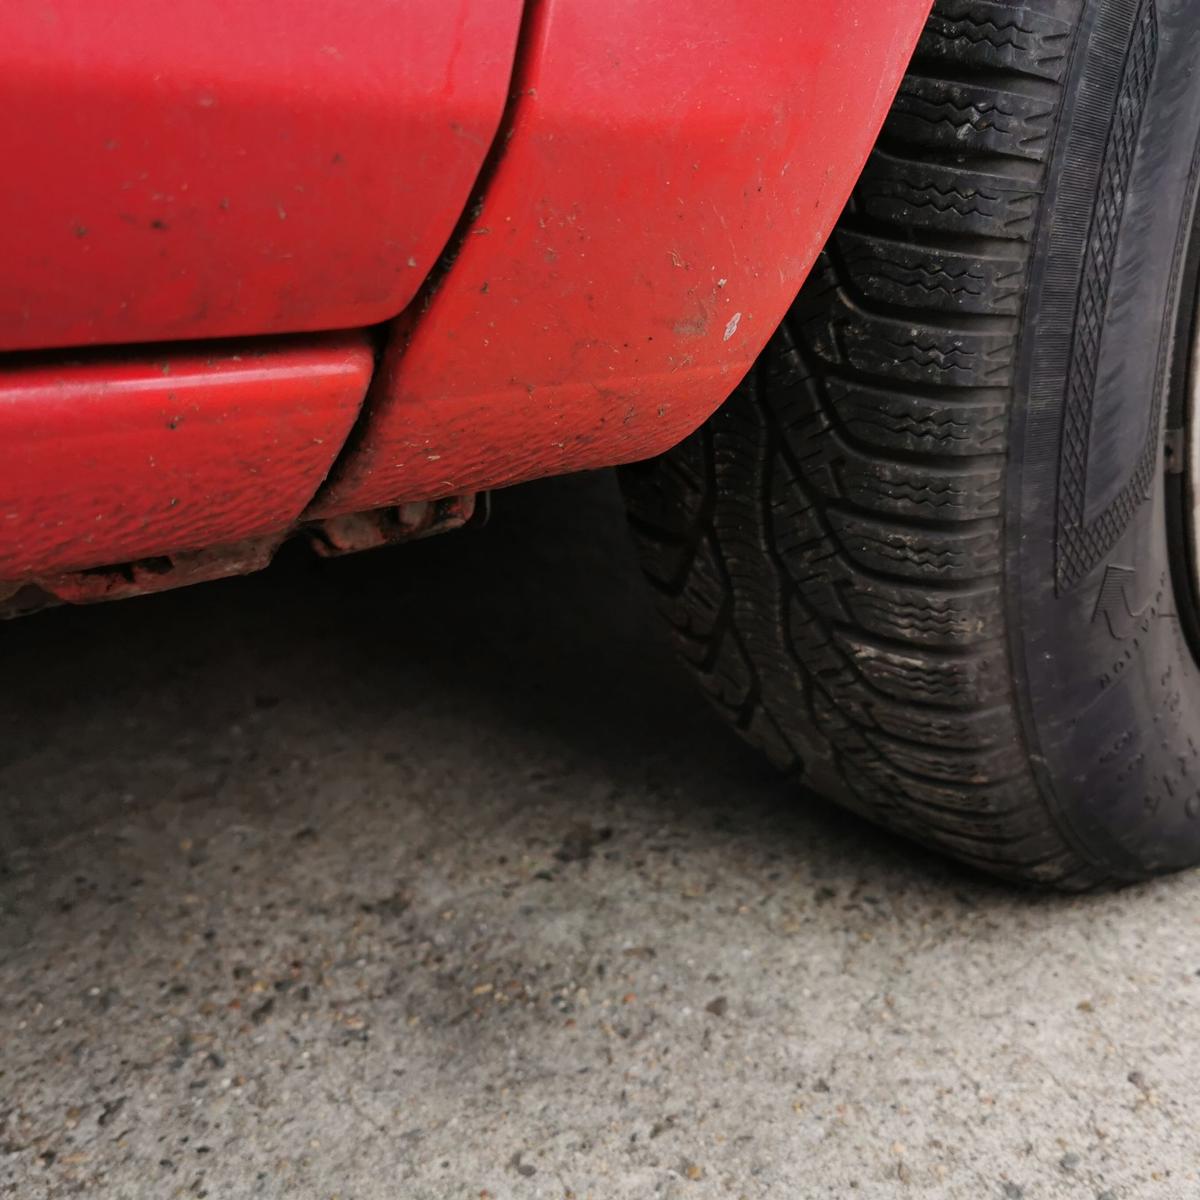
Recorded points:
(936,555)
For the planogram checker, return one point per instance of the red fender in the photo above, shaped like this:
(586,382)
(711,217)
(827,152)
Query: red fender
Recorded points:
(670,171)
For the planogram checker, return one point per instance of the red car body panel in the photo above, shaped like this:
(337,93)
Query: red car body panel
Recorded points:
(210,168)
(596,278)
(122,458)
(670,173)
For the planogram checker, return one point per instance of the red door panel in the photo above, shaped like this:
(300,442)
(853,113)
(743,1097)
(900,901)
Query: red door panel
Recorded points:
(202,168)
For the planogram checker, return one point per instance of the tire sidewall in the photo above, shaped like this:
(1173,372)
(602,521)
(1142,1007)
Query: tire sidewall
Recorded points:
(1109,688)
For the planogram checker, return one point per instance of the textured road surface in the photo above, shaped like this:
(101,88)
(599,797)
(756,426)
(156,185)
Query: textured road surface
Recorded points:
(427,875)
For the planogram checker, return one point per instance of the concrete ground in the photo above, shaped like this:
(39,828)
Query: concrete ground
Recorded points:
(426,874)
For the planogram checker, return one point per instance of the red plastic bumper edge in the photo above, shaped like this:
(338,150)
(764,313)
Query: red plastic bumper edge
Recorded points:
(670,173)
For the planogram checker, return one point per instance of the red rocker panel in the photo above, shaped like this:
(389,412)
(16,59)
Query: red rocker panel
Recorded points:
(122,458)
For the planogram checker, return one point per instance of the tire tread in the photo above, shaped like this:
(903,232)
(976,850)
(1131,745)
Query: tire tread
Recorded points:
(828,548)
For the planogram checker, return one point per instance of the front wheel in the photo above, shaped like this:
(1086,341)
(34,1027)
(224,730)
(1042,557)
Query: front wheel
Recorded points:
(938,553)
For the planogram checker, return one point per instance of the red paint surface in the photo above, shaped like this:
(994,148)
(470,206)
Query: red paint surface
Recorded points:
(207,168)
(671,171)
(121,458)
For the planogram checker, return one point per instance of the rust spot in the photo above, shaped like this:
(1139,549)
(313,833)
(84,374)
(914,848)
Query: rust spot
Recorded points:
(353,532)
(159,573)
(696,326)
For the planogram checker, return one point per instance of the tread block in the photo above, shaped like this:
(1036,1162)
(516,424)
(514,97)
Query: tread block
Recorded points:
(991,35)
(963,118)
(841,334)
(896,421)
(944,198)
(944,280)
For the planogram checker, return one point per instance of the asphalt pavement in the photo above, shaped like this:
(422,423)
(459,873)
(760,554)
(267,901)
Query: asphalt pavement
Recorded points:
(427,874)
